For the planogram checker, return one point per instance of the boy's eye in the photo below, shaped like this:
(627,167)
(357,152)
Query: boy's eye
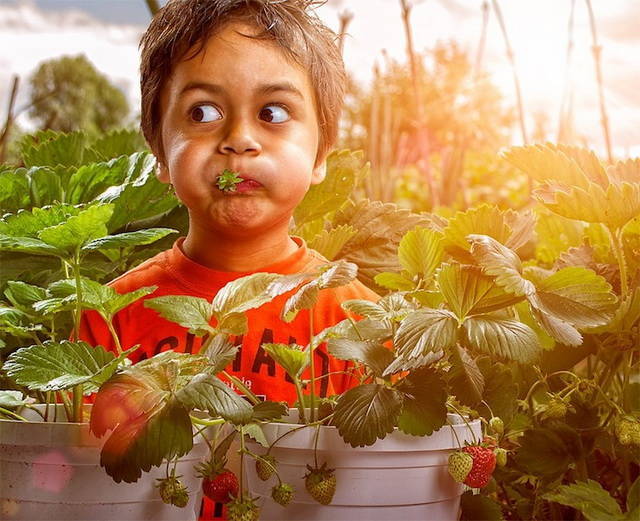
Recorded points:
(274,114)
(205,113)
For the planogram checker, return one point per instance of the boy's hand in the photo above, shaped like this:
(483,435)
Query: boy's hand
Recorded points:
(228,180)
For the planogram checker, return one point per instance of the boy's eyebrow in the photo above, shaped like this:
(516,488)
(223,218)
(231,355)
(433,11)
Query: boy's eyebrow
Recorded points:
(266,89)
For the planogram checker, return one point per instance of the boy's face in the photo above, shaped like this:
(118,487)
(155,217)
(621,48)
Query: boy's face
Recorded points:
(240,105)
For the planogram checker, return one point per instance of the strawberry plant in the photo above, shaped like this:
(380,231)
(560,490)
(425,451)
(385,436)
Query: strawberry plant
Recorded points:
(525,319)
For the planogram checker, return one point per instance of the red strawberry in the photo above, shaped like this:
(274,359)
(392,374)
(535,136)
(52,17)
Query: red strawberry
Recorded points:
(218,484)
(484,462)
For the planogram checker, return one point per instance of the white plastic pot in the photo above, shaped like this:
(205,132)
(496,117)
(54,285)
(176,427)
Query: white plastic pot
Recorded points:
(399,478)
(51,471)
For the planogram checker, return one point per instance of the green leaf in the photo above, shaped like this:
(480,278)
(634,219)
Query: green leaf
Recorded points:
(14,190)
(54,366)
(424,408)
(380,227)
(254,431)
(28,245)
(119,142)
(372,354)
(104,299)
(465,377)
(394,281)
(477,507)
(220,352)
(420,252)
(123,240)
(156,435)
(543,453)
(23,295)
(483,220)
(500,262)
(365,308)
(468,292)
(328,243)
(90,180)
(193,313)
(576,295)
(626,315)
(415,362)
(595,503)
(79,229)
(330,275)
(367,413)
(502,338)
(208,393)
(557,329)
(500,387)
(13,399)
(627,170)
(140,195)
(344,169)
(633,497)
(243,294)
(426,330)
(268,411)
(291,358)
(29,224)
(547,162)
(614,206)
(50,148)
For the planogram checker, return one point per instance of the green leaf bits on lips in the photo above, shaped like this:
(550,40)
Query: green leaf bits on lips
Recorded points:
(228,180)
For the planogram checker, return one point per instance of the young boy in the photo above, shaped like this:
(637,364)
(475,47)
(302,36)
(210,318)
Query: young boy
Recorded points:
(255,87)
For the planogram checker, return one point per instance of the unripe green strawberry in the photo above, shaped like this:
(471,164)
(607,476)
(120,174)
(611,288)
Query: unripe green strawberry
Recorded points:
(282,494)
(484,463)
(243,510)
(556,409)
(180,496)
(627,429)
(172,491)
(265,466)
(459,465)
(501,457)
(496,425)
(321,483)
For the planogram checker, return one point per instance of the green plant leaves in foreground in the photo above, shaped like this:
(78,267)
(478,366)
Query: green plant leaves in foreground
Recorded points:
(55,366)
(595,503)
(291,358)
(367,413)
(424,407)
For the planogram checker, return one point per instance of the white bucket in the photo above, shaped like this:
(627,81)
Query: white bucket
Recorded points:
(51,471)
(399,478)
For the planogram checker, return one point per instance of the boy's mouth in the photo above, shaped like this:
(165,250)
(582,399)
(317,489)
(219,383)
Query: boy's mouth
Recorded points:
(230,182)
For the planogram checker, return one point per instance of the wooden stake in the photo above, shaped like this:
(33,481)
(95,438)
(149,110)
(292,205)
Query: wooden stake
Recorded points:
(4,138)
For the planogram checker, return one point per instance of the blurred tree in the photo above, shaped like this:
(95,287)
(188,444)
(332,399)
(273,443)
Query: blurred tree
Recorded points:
(457,106)
(68,94)
(462,111)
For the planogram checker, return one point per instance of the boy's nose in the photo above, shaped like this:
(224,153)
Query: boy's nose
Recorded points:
(239,140)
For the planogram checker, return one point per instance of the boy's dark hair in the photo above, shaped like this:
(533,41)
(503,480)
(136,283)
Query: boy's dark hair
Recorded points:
(183,24)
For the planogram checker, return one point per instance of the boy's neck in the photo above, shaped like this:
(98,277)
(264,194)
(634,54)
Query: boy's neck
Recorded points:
(241,254)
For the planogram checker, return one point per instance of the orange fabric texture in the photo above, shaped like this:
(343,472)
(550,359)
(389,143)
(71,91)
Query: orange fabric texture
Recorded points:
(176,274)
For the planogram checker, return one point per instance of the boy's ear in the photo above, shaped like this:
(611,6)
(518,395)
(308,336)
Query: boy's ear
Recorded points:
(162,172)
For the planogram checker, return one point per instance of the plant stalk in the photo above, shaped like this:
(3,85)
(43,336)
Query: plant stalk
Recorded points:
(15,415)
(238,383)
(312,368)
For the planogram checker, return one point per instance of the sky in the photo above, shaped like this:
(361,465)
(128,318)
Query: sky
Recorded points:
(108,31)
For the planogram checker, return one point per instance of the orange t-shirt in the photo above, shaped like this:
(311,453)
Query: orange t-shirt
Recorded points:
(175,274)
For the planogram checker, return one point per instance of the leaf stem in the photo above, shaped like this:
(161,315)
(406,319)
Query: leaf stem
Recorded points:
(15,415)
(242,450)
(301,414)
(238,383)
(618,249)
(207,423)
(114,335)
(77,403)
(312,396)
(76,273)
(473,434)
